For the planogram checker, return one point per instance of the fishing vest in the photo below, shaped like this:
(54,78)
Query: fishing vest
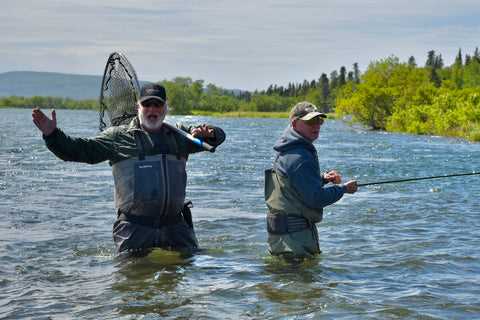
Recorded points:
(282,199)
(150,186)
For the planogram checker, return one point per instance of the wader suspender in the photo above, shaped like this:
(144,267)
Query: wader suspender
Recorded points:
(174,145)
(186,210)
(140,146)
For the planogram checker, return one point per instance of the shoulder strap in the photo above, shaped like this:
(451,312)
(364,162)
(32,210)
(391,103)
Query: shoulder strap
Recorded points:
(140,145)
(176,142)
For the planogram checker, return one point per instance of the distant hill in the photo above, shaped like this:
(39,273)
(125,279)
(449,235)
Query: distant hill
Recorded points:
(52,84)
(31,83)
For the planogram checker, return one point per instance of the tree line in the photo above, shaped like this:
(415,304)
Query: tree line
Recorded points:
(390,95)
(403,97)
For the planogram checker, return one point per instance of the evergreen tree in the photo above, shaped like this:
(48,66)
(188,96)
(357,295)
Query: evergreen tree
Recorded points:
(411,62)
(468,59)
(476,55)
(430,59)
(305,86)
(270,90)
(433,62)
(333,80)
(290,90)
(457,69)
(356,73)
(298,89)
(324,86)
(458,59)
(342,78)
(350,76)
(438,62)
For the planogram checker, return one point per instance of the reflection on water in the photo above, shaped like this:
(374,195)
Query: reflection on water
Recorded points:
(406,250)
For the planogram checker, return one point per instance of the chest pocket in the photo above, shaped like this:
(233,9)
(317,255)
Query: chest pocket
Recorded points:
(150,182)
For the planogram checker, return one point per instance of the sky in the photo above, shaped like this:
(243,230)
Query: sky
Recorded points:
(246,44)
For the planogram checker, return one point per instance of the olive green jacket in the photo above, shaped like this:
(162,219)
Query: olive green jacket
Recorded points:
(118,143)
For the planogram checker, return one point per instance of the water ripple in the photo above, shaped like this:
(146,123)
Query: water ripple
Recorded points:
(407,250)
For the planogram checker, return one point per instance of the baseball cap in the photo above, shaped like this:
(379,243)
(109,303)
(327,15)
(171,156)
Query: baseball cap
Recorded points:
(153,91)
(305,111)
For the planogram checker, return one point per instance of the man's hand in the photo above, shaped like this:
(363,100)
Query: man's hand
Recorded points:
(44,123)
(351,186)
(203,131)
(332,176)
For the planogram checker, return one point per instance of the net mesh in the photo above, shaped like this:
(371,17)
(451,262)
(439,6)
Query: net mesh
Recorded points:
(119,92)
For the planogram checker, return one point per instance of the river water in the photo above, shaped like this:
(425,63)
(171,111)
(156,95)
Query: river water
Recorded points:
(396,251)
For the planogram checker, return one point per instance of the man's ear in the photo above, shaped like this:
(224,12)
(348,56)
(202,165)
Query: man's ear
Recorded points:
(294,123)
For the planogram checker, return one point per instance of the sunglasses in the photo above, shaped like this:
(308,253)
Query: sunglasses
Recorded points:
(153,103)
(314,121)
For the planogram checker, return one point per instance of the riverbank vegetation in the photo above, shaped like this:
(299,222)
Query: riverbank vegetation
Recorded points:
(402,97)
(390,95)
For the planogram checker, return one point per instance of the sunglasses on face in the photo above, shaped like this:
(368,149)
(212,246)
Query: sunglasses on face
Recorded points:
(153,103)
(314,121)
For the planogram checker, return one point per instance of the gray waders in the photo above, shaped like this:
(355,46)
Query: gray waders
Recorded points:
(150,202)
(290,224)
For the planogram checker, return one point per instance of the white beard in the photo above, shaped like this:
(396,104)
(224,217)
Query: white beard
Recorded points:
(150,124)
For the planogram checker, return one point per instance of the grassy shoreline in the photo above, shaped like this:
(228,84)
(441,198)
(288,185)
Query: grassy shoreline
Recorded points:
(240,114)
(250,114)
(232,114)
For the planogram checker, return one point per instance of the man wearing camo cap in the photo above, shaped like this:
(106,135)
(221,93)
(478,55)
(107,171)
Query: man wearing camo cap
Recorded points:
(295,189)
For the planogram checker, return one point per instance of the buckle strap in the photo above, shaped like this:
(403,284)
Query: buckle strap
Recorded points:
(152,222)
(284,223)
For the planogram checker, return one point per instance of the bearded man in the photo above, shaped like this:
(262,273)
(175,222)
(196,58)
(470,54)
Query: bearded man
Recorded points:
(148,162)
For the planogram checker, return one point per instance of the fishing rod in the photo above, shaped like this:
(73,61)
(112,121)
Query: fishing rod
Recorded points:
(416,179)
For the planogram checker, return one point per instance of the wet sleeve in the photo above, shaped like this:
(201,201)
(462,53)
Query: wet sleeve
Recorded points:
(311,187)
(87,150)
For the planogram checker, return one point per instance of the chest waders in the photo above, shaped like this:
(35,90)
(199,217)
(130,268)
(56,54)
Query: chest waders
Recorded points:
(290,223)
(150,195)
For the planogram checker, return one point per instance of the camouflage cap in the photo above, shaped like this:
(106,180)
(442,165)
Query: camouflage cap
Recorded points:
(305,111)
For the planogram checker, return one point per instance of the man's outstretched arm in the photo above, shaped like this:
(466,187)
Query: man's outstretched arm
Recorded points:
(67,148)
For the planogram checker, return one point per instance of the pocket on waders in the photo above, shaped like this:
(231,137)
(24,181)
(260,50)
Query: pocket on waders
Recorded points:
(149,181)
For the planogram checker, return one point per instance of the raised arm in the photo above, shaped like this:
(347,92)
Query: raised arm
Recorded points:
(87,150)
(44,123)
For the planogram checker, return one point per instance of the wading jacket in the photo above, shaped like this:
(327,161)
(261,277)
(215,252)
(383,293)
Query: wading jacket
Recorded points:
(295,188)
(148,168)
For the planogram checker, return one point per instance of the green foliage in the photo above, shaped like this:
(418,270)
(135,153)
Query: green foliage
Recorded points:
(471,74)
(265,103)
(384,87)
(391,95)
(432,100)
(218,103)
(47,102)
(180,95)
(450,113)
